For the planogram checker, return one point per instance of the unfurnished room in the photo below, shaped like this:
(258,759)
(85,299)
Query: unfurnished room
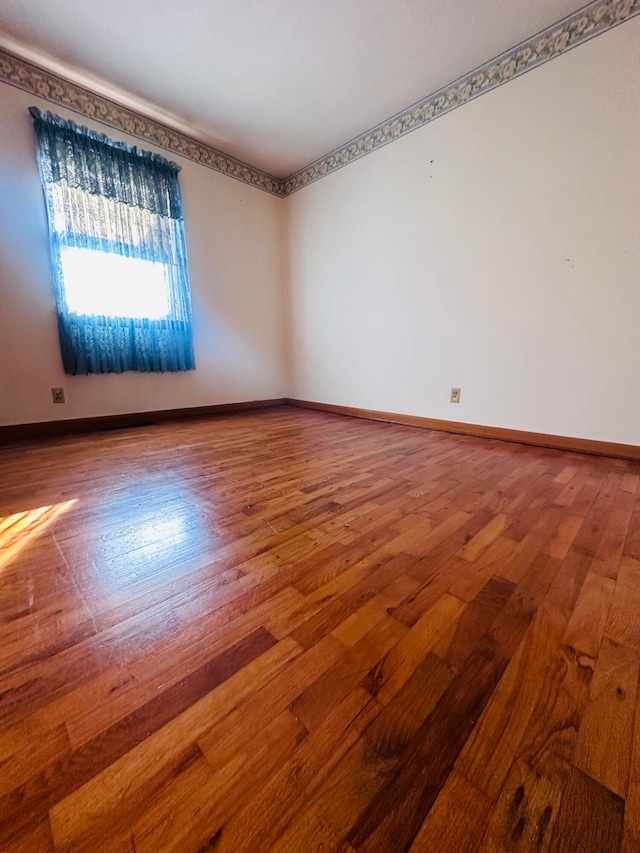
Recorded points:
(319,426)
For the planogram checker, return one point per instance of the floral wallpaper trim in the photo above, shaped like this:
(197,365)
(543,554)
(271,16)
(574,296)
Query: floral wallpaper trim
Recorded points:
(590,21)
(24,75)
(577,28)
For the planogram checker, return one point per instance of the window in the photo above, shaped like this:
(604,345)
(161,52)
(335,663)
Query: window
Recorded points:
(118,252)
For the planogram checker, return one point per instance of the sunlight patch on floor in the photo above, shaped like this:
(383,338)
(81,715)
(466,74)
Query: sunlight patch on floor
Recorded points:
(19,529)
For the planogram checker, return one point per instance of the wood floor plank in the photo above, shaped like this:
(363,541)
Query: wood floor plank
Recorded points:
(604,739)
(105,791)
(183,812)
(25,762)
(623,625)
(567,584)
(126,688)
(393,669)
(564,536)
(631,546)
(631,837)
(339,607)
(524,815)
(338,802)
(76,767)
(336,683)
(450,827)
(488,754)
(257,822)
(589,818)
(394,729)
(35,837)
(587,624)
(482,540)
(470,580)
(549,739)
(611,548)
(277,693)
(400,806)
(468,630)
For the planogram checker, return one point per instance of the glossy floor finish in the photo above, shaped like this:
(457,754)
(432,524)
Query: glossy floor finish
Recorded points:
(293,631)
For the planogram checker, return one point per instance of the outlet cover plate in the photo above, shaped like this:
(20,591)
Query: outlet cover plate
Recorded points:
(57,395)
(455,395)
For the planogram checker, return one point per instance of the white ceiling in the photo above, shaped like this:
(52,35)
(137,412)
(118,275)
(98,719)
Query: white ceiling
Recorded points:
(277,83)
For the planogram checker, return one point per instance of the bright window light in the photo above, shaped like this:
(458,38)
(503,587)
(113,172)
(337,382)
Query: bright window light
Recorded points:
(104,283)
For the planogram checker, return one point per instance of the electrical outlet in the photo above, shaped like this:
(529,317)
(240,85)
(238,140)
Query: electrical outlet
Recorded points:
(57,394)
(455,395)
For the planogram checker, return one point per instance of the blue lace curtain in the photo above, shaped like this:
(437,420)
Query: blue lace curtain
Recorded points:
(107,202)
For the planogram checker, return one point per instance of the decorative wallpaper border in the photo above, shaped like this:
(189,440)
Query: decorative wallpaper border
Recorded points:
(585,24)
(24,75)
(573,30)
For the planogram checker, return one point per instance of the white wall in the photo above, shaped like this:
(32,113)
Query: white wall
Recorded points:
(508,266)
(234,245)
(496,249)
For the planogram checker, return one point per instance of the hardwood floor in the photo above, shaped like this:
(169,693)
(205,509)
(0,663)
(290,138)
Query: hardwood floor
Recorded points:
(293,631)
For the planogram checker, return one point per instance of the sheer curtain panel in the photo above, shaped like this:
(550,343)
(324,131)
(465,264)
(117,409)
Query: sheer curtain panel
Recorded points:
(118,252)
